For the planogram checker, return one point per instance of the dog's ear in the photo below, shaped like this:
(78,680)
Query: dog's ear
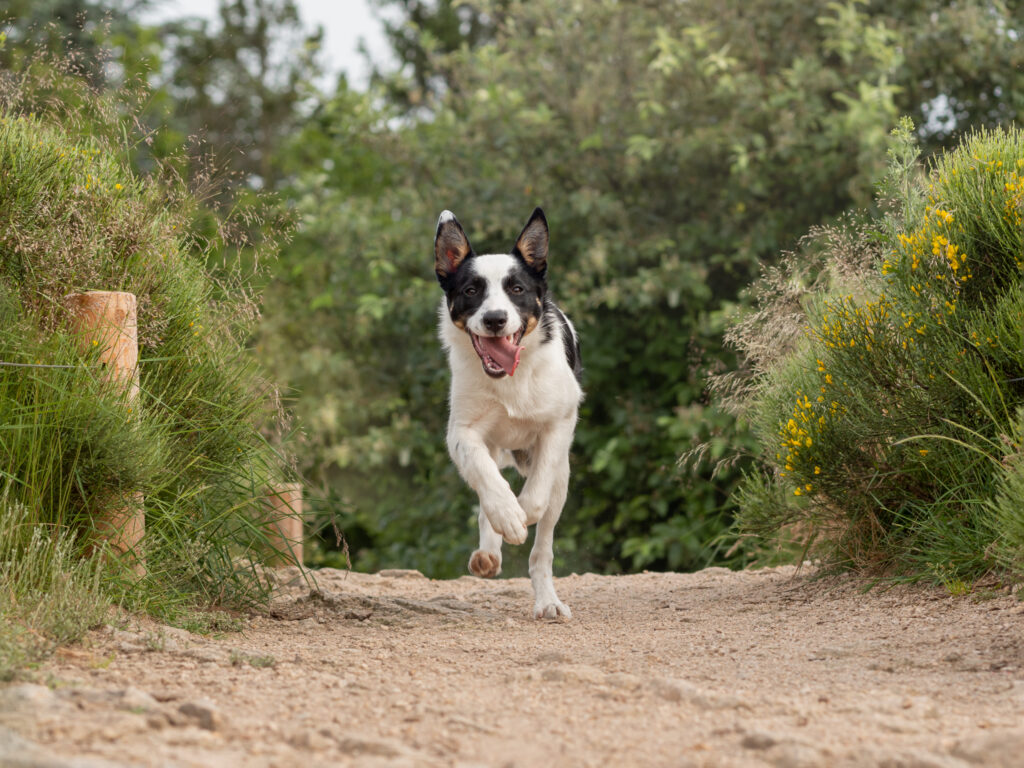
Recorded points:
(532,243)
(451,246)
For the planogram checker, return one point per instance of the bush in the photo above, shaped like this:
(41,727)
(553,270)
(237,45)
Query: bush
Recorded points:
(888,422)
(73,218)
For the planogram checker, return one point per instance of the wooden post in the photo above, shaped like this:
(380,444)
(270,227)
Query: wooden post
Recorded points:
(107,321)
(284,524)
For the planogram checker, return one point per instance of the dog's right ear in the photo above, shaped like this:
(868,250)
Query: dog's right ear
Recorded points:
(451,246)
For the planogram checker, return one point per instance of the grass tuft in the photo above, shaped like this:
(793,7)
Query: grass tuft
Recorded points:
(74,216)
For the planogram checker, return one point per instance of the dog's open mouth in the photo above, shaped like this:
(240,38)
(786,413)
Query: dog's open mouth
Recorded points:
(499,354)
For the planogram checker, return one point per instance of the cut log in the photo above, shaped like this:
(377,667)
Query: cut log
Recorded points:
(284,524)
(106,321)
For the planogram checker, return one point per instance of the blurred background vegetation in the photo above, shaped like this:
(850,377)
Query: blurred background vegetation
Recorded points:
(678,148)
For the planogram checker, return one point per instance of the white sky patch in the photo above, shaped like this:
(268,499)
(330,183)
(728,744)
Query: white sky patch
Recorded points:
(346,23)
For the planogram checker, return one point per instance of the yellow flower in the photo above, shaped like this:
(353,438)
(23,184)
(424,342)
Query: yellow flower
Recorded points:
(817,470)
(117,186)
(797,492)
(923,451)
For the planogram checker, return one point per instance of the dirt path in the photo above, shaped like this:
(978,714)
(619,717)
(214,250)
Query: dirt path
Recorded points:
(707,669)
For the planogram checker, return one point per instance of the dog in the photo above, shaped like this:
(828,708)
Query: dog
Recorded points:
(515,393)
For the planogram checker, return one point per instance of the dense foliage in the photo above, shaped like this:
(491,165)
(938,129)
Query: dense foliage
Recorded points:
(891,419)
(74,218)
(675,147)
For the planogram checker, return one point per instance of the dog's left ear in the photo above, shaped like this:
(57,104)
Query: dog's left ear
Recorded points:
(532,243)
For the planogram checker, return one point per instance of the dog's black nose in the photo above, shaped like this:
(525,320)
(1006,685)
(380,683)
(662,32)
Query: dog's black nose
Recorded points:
(495,321)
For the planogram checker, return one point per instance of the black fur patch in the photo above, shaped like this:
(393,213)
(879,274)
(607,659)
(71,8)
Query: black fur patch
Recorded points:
(527,292)
(572,346)
(466,292)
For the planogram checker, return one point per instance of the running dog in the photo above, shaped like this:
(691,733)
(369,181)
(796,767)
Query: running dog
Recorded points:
(515,393)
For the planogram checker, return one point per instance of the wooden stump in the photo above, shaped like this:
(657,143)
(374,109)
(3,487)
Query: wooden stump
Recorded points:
(106,321)
(284,524)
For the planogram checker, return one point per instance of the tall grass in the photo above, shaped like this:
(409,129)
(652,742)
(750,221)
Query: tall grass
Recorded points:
(73,217)
(887,413)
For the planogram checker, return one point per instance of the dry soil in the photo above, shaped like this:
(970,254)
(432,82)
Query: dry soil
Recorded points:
(716,668)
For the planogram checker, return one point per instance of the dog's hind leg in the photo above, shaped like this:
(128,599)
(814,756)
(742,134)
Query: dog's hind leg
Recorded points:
(486,561)
(546,603)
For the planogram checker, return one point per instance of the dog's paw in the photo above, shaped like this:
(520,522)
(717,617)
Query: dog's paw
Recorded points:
(514,532)
(551,608)
(508,521)
(486,565)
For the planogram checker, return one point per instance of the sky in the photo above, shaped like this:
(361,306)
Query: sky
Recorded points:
(345,22)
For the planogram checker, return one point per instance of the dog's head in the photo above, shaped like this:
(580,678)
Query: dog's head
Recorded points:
(496,298)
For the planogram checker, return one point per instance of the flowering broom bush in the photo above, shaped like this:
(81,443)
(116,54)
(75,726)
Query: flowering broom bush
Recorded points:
(889,417)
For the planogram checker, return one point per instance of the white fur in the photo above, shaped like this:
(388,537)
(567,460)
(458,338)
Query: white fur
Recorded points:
(535,410)
(494,268)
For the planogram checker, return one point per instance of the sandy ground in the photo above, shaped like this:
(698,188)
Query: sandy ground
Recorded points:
(708,669)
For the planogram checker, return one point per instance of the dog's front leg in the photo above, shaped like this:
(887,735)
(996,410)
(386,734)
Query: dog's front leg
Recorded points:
(478,469)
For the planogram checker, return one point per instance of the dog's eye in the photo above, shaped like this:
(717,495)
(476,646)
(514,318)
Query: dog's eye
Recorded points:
(517,288)
(470,290)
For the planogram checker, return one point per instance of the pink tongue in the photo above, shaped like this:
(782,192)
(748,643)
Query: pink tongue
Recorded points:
(502,351)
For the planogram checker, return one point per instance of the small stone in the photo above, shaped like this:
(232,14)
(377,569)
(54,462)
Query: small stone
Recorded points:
(683,691)
(623,680)
(997,750)
(798,756)
(135,700)
(553,657)
(178,634)
(205,655)
(400,573)
(26,697)
(311,740)
(205,712)
(354,745)
(573,673)
(758,741)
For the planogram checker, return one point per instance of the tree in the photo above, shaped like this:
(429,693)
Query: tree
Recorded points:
(676,147)
(240,85)
(421,34)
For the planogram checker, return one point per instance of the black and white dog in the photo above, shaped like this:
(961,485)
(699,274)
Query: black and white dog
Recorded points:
(515,361)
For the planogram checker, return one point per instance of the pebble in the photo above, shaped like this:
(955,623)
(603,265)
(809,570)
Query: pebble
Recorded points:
(997,750)
(758,741)
(26,698)
(204,712)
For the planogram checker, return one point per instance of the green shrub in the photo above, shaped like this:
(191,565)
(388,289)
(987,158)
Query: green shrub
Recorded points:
(73,218)
(887,421)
